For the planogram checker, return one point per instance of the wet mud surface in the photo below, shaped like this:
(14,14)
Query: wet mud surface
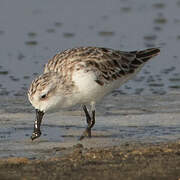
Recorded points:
(128,161)
(135,137)
(120,119)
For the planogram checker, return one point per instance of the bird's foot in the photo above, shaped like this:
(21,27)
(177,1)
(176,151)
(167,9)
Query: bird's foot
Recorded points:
(35,135)
(86,133)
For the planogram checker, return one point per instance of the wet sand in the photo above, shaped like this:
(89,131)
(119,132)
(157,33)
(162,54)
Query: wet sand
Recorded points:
(135,137)
(128,161)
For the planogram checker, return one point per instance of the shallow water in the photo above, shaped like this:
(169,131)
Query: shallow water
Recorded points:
(120,119)
(32,32)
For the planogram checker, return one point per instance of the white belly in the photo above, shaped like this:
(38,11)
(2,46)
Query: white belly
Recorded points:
(89,90)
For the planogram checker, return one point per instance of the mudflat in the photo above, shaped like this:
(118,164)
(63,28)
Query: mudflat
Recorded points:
(136,137)
(128,161)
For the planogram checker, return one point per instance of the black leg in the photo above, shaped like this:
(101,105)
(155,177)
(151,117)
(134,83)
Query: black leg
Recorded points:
(90,121)
(93,118)
(88,118)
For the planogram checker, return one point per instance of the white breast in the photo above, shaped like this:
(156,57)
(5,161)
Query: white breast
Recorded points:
(89,90)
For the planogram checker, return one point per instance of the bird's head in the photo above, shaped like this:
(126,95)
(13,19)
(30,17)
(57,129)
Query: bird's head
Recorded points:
(45,93)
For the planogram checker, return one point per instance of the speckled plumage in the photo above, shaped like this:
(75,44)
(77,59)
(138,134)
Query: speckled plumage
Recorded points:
(108,64)
(84,76)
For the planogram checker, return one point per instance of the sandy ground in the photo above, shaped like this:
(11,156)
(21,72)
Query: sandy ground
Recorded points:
(134,137)
(129,161)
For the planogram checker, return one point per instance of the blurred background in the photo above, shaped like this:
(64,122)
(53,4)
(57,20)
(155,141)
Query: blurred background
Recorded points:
(31,32)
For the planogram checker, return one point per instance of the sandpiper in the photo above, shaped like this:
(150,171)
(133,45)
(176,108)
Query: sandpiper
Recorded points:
(83,76)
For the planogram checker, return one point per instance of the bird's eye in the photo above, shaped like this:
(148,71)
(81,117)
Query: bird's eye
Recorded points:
(43,96)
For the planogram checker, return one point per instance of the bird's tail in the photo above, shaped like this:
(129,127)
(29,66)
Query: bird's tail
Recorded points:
(147,54)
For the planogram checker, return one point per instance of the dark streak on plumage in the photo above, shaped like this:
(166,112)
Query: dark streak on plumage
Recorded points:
(136,62)
(115,62)
(146,59)
(96,65)
(121,72)
(125,67)
(105,50)
(99,82)
(108,64)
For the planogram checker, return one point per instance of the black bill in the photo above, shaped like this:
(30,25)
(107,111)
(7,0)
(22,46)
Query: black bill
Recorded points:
(37,124)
